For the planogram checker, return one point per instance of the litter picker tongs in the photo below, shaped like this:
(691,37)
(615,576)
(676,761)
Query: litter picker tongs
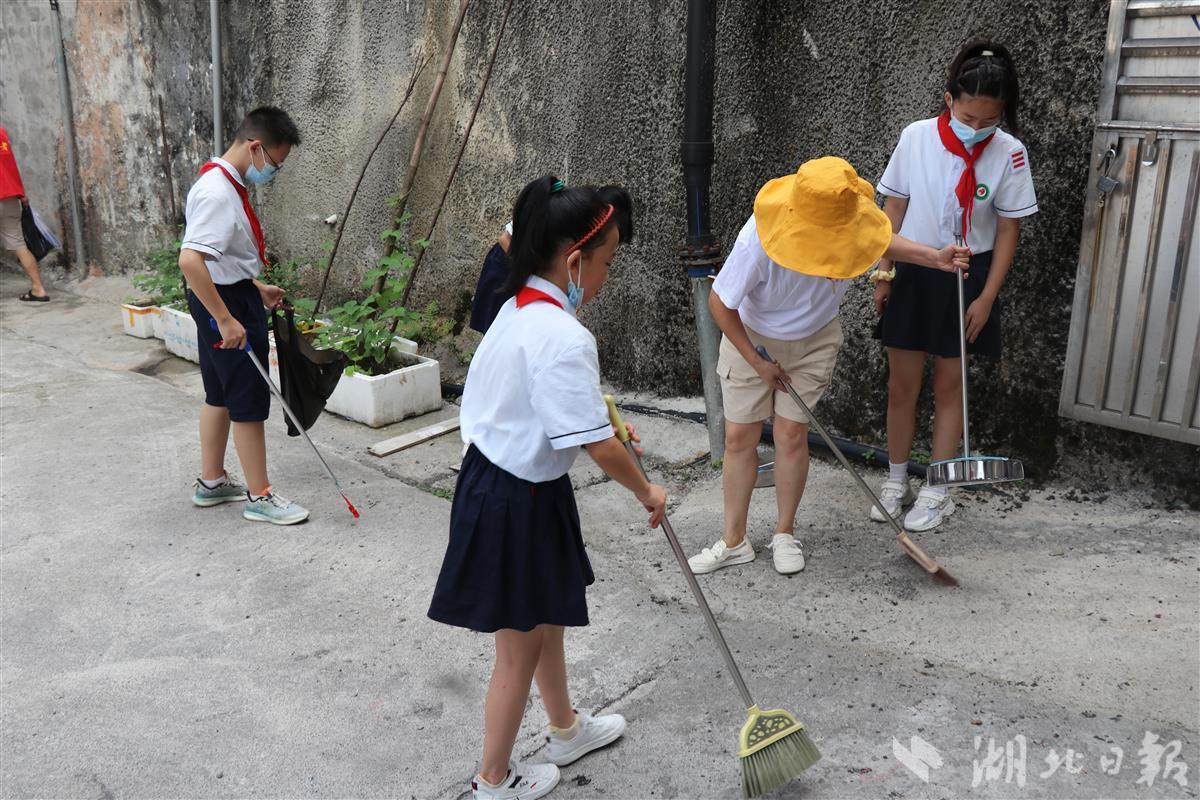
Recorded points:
(969,470)
(266,376)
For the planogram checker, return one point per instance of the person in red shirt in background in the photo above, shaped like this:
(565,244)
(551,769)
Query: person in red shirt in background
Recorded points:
(12,198)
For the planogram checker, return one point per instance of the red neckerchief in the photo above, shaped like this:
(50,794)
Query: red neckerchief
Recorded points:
(965,191)
(242,193)
(528,295)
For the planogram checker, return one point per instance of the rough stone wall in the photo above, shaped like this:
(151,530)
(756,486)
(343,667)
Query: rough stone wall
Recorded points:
(593,93)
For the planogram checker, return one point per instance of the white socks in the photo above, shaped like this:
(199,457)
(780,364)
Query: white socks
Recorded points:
(566,733)
(897,472)
(210,485)
(491,785)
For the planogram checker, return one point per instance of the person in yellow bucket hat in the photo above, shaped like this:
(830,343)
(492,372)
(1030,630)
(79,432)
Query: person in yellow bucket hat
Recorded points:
(780,287)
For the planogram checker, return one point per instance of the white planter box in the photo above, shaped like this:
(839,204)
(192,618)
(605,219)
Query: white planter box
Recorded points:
(381,400)
(179,333)
(139,321)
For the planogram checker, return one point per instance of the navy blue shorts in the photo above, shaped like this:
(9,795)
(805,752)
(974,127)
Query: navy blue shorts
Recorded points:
(515,558)
(230,378)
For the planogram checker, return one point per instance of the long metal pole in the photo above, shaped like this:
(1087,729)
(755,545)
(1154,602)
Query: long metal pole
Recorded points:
(962,344)
(700,253)
(64,91)
(214,16)
(618,424)
(698,593)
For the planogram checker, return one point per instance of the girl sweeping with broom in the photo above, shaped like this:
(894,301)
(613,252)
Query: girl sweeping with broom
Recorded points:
(515,564)
(959,165)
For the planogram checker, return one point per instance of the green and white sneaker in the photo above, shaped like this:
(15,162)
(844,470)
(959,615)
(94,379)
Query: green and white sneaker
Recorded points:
(228,492)
(274,508)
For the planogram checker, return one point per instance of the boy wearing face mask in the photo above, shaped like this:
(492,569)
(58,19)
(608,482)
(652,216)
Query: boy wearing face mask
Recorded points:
(222,254)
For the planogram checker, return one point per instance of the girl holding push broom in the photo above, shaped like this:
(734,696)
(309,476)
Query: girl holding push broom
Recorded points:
(959,165)
(515,564)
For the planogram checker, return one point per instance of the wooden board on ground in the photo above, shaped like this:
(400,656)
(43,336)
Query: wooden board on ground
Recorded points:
(413,438)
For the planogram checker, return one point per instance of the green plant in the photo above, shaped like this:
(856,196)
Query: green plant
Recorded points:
(286,275)
(162,284)
(363,329)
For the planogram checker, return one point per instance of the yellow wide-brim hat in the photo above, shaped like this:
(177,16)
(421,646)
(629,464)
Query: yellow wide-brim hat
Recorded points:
(822,221)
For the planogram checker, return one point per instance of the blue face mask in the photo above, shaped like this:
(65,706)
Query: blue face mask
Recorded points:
(968,135)
(256,175)
(574,290)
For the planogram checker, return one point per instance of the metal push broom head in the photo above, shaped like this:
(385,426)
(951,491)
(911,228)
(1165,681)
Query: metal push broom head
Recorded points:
(974,470)
(774,749)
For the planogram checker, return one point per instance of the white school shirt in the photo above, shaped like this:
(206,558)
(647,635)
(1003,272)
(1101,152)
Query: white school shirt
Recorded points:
(924,172)
(218,228)
(532,395)
(777,302)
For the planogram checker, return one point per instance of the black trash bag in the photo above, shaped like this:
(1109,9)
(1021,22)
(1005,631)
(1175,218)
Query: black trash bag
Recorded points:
(307,376)
(35,238)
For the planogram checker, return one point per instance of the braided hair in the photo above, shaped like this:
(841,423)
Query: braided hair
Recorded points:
(984,68)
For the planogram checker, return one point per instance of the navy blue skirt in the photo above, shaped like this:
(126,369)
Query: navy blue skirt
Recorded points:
(515,558)
(922,311)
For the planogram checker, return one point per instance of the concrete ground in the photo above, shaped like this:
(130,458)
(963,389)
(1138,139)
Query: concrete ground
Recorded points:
(152,649)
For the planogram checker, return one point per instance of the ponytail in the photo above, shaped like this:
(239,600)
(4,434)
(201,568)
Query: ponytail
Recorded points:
(985,69)
(549,215)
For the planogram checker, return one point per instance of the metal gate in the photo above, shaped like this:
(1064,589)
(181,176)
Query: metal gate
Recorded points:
(1133,359)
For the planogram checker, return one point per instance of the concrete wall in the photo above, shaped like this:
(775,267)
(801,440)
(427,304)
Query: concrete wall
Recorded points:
(592,92)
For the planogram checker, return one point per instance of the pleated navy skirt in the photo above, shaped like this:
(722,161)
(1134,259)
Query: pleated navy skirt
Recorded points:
(515,558)
(922,311)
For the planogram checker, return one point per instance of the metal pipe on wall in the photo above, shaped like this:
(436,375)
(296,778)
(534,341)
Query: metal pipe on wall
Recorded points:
(64,91)
(700,253)
(214,16)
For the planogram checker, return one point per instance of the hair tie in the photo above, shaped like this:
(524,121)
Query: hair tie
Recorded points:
(557,187)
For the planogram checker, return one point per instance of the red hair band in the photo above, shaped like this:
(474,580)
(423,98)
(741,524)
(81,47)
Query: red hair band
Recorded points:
(601,221)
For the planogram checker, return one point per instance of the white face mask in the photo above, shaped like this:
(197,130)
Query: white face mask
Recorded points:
(968,135)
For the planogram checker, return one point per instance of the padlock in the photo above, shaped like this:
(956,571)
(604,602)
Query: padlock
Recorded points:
(1107,184)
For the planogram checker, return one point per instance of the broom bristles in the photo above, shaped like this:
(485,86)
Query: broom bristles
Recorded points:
(778,763)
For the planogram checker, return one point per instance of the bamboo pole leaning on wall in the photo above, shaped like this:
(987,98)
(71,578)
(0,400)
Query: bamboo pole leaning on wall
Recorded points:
(414,160)
(487,76)
(412,82)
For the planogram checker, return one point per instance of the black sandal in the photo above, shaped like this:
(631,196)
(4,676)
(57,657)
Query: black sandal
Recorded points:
(30,297)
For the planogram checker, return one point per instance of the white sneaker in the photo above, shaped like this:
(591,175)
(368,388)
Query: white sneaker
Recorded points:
(711,559)
(786,553)
(593,733)
(894,495)
(523,782)
(929,511)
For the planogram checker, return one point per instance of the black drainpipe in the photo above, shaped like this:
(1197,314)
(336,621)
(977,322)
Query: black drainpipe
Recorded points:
(700,254)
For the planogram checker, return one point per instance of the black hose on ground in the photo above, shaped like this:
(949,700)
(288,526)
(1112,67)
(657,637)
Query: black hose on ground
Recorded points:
(865,454)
